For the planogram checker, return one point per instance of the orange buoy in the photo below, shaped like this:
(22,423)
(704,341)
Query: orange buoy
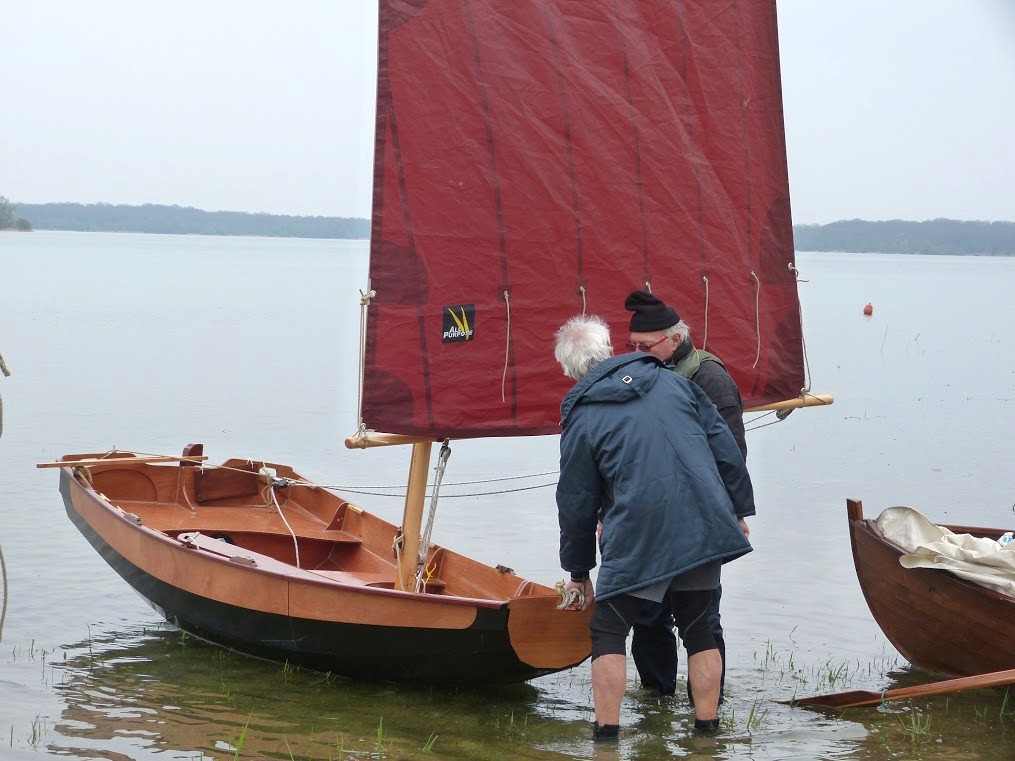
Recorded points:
(868,310)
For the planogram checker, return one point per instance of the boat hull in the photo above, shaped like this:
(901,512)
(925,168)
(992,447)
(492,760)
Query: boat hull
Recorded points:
(314,624)
(934,619)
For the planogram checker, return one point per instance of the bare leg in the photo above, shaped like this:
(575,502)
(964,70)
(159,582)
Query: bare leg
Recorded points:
(609,679)
(704,671)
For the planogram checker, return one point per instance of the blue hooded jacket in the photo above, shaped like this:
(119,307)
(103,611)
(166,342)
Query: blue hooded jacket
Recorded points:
(645,449)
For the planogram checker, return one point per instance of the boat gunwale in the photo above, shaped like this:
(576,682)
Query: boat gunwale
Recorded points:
(870,524)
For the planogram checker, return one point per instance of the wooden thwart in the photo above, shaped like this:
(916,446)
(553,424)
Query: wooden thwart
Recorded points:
(869,698)
(114,460)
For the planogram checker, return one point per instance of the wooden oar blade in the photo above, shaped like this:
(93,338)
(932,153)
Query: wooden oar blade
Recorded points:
(838,699)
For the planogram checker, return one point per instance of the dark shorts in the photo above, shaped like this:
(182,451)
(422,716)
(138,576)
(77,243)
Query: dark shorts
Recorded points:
(612,620)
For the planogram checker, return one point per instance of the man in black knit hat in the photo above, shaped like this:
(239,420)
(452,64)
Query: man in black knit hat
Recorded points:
(657,329)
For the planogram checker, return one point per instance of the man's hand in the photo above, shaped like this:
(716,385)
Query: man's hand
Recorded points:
(584,599)
(744,527)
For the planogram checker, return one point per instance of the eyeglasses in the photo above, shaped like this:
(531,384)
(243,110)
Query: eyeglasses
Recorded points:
(639,346)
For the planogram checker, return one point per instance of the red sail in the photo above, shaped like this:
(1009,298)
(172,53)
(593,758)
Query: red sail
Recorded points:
(538,158)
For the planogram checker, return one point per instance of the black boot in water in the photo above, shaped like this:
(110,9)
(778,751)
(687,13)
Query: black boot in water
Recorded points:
(605,732)
(706,726)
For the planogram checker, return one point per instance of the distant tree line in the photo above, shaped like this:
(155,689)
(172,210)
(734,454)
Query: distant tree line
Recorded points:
(9,220)
(153,218)
(896,236)
(937,236)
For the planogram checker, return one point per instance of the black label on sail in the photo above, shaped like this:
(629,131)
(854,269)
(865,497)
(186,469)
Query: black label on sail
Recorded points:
(459,323)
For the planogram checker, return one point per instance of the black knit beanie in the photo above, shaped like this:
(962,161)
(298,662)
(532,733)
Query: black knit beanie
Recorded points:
(650,314)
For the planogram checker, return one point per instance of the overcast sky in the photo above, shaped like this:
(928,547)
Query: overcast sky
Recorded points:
(894,108)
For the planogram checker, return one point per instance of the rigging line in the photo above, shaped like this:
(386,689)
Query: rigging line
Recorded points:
(754,423)
(3,615)
(449,483)
(757,317)
(507,346)
(704,341)
(424,539)
(364,303)
(764,425)
(447,496)
(581,290)
(803,342)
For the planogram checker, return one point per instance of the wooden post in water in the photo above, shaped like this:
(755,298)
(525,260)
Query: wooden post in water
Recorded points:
(412,517)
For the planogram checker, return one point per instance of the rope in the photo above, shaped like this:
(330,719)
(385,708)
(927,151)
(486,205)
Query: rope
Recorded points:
(446,496)
(272,480)
(648,286)
(3,615)
(449,483)
(424,538)
(7,374)
(704,341)
(757,317)
(581,289)
(364,302)
(803,342)
(507,346)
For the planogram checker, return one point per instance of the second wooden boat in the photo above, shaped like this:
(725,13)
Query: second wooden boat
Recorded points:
(935,619)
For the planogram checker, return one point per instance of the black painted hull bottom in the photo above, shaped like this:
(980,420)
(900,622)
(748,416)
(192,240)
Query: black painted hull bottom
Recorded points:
(481,654)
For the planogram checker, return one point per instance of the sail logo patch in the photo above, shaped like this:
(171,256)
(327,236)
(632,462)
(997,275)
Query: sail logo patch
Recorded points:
(459,323)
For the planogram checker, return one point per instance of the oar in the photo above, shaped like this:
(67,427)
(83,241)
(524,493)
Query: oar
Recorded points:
(868,698)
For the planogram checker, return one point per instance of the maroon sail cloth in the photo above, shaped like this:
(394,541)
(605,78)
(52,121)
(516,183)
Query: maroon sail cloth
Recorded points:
(567,152)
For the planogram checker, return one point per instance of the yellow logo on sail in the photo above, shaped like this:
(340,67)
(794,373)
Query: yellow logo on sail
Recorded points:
(459,327)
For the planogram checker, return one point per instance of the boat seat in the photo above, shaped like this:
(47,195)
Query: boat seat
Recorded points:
(228,520)
(382,580)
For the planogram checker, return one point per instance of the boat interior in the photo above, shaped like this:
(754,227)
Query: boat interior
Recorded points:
(229,509)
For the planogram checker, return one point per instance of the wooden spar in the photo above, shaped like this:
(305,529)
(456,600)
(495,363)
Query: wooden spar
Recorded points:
(811,400)
(119,460)
(365,441)
(412,517)
(868,698)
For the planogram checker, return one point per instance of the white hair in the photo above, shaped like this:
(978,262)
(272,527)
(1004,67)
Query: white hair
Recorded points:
(582,343)
(681,329)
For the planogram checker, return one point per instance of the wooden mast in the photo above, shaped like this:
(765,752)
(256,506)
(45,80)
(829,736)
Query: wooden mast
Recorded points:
(412,516)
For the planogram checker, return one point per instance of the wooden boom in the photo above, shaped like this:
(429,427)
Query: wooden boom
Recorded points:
(811,400)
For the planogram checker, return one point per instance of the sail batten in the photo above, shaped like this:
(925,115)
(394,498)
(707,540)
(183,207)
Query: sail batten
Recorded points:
(566,152)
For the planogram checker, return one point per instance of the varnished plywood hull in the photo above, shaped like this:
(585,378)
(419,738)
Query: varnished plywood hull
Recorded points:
(293,616)
(935,619)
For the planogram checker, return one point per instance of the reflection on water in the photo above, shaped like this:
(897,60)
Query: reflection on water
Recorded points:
(155,693)
(149,342)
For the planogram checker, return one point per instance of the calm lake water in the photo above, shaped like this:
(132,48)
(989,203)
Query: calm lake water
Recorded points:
(149,342)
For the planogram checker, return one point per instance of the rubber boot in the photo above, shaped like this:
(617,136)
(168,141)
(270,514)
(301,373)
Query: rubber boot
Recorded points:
(706,726)
(605,732)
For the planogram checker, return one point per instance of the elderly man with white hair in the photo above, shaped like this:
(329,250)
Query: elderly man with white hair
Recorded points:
(644,451)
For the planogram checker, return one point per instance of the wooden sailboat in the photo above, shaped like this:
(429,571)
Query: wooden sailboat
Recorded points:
(534,159)
(937,620)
